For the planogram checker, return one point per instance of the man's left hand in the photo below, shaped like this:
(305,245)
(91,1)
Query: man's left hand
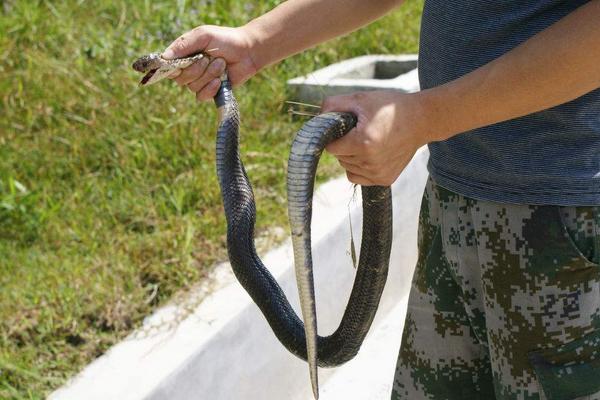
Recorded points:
(387,135)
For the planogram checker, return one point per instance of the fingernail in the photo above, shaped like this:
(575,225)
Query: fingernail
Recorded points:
(203,62)
(168,54)
(217,66)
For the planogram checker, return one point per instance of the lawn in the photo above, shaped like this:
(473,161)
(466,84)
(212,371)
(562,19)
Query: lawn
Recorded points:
(109,203)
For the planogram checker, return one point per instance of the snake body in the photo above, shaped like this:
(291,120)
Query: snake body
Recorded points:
(300,338)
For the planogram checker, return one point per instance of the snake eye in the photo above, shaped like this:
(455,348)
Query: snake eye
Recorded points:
(140,65)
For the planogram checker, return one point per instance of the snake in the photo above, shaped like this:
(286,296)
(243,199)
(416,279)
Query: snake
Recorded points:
(299,337)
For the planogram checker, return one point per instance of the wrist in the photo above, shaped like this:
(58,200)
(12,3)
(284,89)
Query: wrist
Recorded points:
(437,113)
(257,50)
(421,109)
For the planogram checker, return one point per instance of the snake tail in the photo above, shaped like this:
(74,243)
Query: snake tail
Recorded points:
(302,167)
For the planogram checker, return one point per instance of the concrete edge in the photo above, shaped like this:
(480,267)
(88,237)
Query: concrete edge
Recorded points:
(334,80)
(328,74)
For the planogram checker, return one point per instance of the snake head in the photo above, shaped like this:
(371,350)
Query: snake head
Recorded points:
(150,64)
(157,68)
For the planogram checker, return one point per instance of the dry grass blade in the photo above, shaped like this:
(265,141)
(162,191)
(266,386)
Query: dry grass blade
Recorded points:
(291,111)
(300,109)
(297,103)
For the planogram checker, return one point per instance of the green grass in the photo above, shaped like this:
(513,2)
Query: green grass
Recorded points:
(109,204)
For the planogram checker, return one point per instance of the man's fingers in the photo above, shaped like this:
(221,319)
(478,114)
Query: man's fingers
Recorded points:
(358,179)
(342,103)
(192,72)
(355,169)
(213,73)
(196,80)
(189,43)
(199,84)
(216,67)
(354,160)
(349,145)
(209,91)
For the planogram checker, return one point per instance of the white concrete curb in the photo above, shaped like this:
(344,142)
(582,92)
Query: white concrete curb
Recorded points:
(354,75)
(225,349)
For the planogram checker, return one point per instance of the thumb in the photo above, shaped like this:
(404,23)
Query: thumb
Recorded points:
(350,144)
(189,43)
(341,103)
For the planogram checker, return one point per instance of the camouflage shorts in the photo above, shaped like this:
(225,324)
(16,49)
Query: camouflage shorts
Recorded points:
(504,303)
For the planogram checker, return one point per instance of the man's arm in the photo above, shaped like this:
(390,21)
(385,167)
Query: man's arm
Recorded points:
(555,66)
(298,25)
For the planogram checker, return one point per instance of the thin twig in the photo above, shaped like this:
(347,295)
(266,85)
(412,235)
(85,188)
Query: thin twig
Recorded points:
(305,114)
(302,104)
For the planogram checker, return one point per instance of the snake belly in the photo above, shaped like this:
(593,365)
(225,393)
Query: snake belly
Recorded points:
(240,210)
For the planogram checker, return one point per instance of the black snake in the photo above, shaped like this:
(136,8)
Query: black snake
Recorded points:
(238,200)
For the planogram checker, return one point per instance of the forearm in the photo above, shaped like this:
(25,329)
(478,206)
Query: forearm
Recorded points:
(296,25)
(555,66)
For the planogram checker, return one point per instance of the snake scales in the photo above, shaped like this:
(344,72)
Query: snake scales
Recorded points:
(299,338)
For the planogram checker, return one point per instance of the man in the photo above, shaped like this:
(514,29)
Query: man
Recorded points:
(505,300)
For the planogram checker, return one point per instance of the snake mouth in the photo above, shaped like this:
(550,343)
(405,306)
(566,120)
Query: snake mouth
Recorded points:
(148,76)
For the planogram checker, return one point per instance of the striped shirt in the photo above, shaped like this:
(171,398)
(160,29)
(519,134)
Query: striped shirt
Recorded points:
(549,157)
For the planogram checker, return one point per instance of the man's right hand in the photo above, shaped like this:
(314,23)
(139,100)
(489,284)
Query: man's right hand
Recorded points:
(289,28)
(229,47)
